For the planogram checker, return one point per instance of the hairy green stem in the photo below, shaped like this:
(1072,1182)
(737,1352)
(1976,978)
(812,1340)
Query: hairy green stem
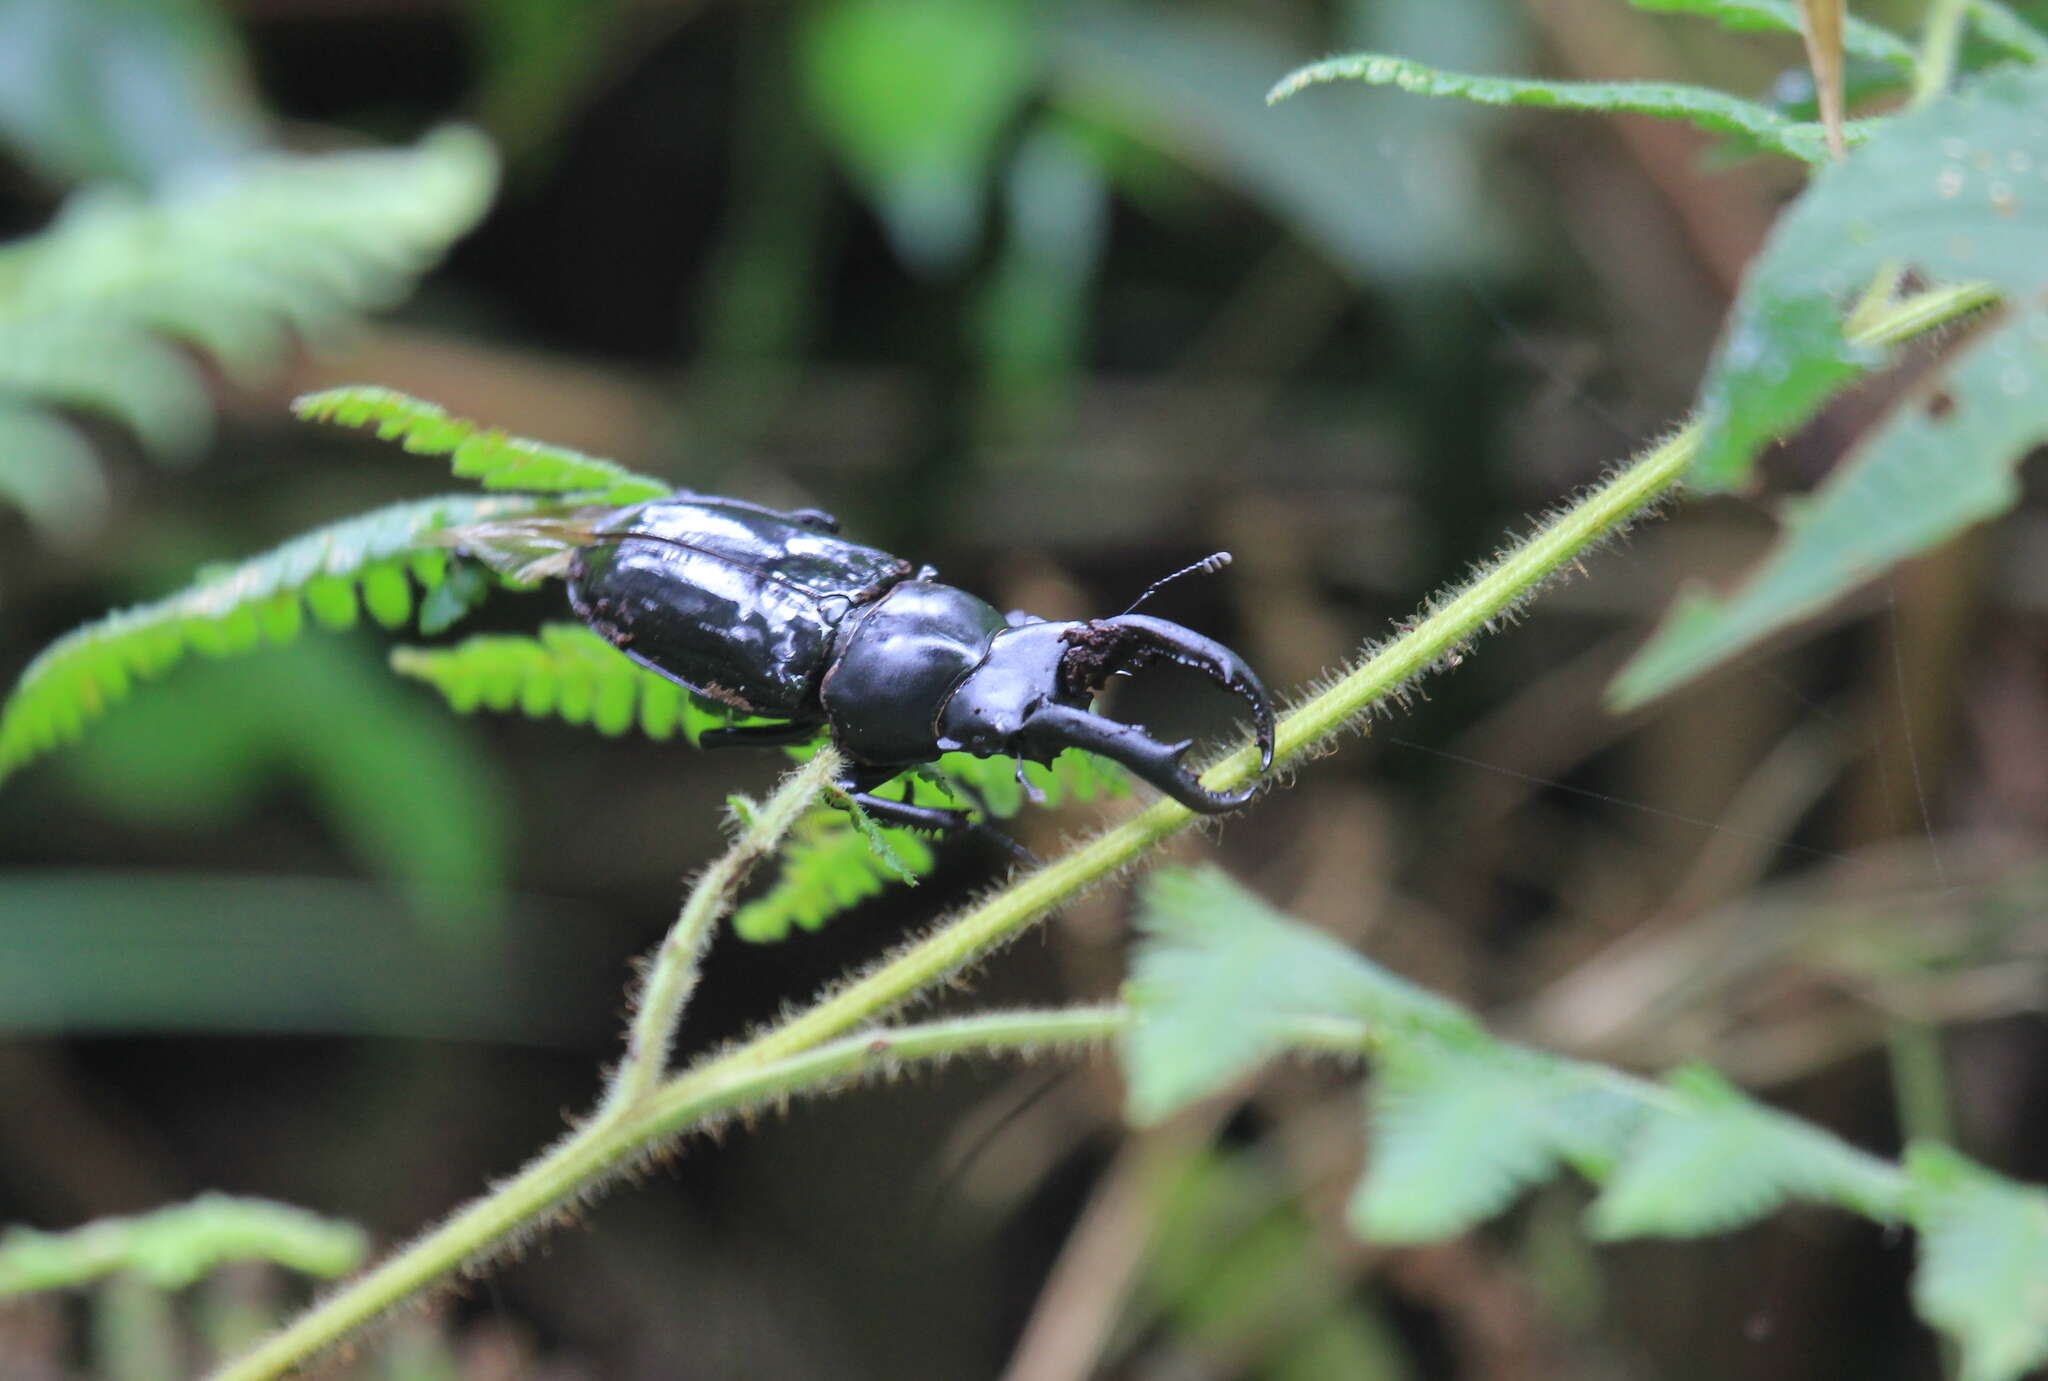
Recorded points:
(581,1161)
(672,972)
(802,1051)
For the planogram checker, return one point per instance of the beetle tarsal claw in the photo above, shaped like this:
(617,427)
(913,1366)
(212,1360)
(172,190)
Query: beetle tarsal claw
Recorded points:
(1053,727)
(1102,648)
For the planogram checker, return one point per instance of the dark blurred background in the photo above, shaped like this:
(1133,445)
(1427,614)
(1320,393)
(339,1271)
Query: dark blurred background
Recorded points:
(1045,295)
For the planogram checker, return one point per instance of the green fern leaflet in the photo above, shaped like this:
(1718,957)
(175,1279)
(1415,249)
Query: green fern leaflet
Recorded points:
(371,563)
(566,673)
(489,456)
(274,251)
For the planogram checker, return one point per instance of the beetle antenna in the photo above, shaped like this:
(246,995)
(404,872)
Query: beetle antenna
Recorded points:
(1208,565)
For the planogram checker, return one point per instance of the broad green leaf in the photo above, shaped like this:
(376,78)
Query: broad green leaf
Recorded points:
(173,1247)
(1955,191)
(914,95)
(1983,1275)
(479,453)
(1457,1130)
(1943,462)
(1221,979)
(1859,37)
(1708,1159)
(1698,106)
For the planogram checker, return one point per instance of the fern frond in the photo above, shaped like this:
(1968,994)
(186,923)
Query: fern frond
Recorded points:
(991,783)
(833,863)
(489,455)
(236,267)
(566,673)
(829,866)
(368,563)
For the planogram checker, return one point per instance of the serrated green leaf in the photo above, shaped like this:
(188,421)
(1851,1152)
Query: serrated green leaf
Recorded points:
(77,677)
(499,461)
(1931,471)
(1708,1159)
(1860,37)
(1983,1273)
(1956,191)
(1698,106)
(1220,976)
(1458,1130)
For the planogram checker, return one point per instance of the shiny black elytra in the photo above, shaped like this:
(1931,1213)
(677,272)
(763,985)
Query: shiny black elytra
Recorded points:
(776,615)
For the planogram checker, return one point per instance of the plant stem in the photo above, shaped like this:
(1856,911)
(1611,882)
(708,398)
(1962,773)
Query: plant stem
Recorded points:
(672,973)
(1938,40)
(796,1054)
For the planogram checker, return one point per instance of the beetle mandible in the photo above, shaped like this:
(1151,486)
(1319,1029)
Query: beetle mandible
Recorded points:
(774,614)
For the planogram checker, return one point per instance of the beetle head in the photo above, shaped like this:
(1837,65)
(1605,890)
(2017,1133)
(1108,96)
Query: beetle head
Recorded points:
(1030,697)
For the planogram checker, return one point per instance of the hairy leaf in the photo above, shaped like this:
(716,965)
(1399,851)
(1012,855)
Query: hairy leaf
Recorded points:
(1983,1273)
(332,573)
(1956,191)
(173,1247)
(488,455)
(1219,978)
(1698,106)
(1708,1159)
(1860,37)
(235,265)
(1459,1129)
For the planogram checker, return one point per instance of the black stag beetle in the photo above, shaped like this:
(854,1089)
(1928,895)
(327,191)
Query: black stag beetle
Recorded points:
(776,615)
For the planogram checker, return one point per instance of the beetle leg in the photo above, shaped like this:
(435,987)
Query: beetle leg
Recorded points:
(1100,648)
(759,735)
(1053,727)
(860,783)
